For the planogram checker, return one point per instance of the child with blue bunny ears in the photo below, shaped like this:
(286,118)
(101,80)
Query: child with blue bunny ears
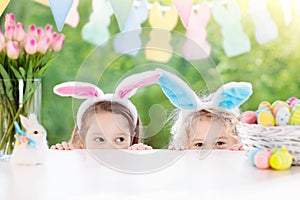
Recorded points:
(207,123)
(106,121)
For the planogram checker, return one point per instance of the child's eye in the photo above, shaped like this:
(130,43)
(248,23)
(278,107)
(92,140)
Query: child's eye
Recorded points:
(220,143)
(119,139)
(199,144)
(99,139)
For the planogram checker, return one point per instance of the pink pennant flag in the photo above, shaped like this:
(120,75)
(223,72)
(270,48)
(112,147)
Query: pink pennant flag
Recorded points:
(184,8)
(73,16)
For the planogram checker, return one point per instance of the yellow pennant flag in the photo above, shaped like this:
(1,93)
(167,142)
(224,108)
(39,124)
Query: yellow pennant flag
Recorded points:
(43,2)
(3,5)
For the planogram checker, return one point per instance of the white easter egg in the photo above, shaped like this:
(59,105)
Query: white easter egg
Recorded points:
(283,116)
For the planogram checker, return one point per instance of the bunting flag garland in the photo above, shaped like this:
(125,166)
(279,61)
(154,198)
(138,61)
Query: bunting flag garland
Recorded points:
(128,41)
(235,41)
(3,5)
(265,28)
(184,9)
(121,10)
(73,16)
(158,48)
(96,30)
(287,11)
(60,10)
(131,14)
(196,46)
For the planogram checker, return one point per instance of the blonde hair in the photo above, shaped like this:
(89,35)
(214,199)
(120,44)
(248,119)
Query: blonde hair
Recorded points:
(78,136)
(184,123)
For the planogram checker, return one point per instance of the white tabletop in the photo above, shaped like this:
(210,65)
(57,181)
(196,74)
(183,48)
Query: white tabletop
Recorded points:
(78,175)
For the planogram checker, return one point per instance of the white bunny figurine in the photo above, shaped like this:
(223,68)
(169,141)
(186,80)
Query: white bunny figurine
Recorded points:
(30,147)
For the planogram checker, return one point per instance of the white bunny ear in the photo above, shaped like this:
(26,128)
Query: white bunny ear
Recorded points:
(232,95)
(79,90)
(178,92)
(25,122)
(130,84)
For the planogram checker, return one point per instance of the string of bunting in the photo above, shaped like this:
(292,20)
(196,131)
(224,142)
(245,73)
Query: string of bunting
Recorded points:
(131,14)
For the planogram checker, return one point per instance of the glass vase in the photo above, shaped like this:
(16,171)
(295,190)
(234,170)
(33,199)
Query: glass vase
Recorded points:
(17,97)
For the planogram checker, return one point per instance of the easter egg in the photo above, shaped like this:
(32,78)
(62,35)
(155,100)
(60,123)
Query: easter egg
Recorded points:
(283,117)
(281,160)
(279,106)
(261,108)
(266,104)
(249,117)
(261,159)
(291,100)
(293,103)
(295,107)
(295,116)
(265,118)
(275,103)
(251,155)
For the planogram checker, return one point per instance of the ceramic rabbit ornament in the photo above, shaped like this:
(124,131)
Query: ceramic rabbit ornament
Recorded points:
(30,146)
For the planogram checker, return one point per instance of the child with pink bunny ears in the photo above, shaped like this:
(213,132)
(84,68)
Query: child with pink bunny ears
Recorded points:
(106,121)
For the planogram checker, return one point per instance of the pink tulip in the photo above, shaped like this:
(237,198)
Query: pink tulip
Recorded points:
(2,39)
(43,44)
(57,41)
(31,45)
(19,33)
(12,50)
(32,31)
(40,33)
(9,32)
(9,20)
(48,29)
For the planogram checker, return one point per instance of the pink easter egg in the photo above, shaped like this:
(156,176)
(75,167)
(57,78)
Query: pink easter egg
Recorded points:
(293,103)
(249,117)
(261,159)
(291,99)
(279,106)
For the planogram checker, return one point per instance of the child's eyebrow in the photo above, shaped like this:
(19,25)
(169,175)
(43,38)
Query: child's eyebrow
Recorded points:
(97,133)
(122,134)
(198,140)
(222,137)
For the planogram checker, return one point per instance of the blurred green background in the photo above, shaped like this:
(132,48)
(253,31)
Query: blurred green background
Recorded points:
(272,68)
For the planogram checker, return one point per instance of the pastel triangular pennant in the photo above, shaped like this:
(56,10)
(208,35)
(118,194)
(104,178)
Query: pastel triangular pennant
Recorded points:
(3,5)
(73,16)
(184,9)
(121,10)
(60,10)
(43,2)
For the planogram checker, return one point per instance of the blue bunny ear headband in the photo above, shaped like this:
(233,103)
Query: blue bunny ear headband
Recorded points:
(228,97)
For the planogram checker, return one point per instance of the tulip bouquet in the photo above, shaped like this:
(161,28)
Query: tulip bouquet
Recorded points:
(24,57)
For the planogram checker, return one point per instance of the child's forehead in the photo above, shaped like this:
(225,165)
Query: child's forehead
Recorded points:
(108,120)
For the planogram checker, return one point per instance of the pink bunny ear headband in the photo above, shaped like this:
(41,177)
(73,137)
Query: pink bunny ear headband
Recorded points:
(93,94)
